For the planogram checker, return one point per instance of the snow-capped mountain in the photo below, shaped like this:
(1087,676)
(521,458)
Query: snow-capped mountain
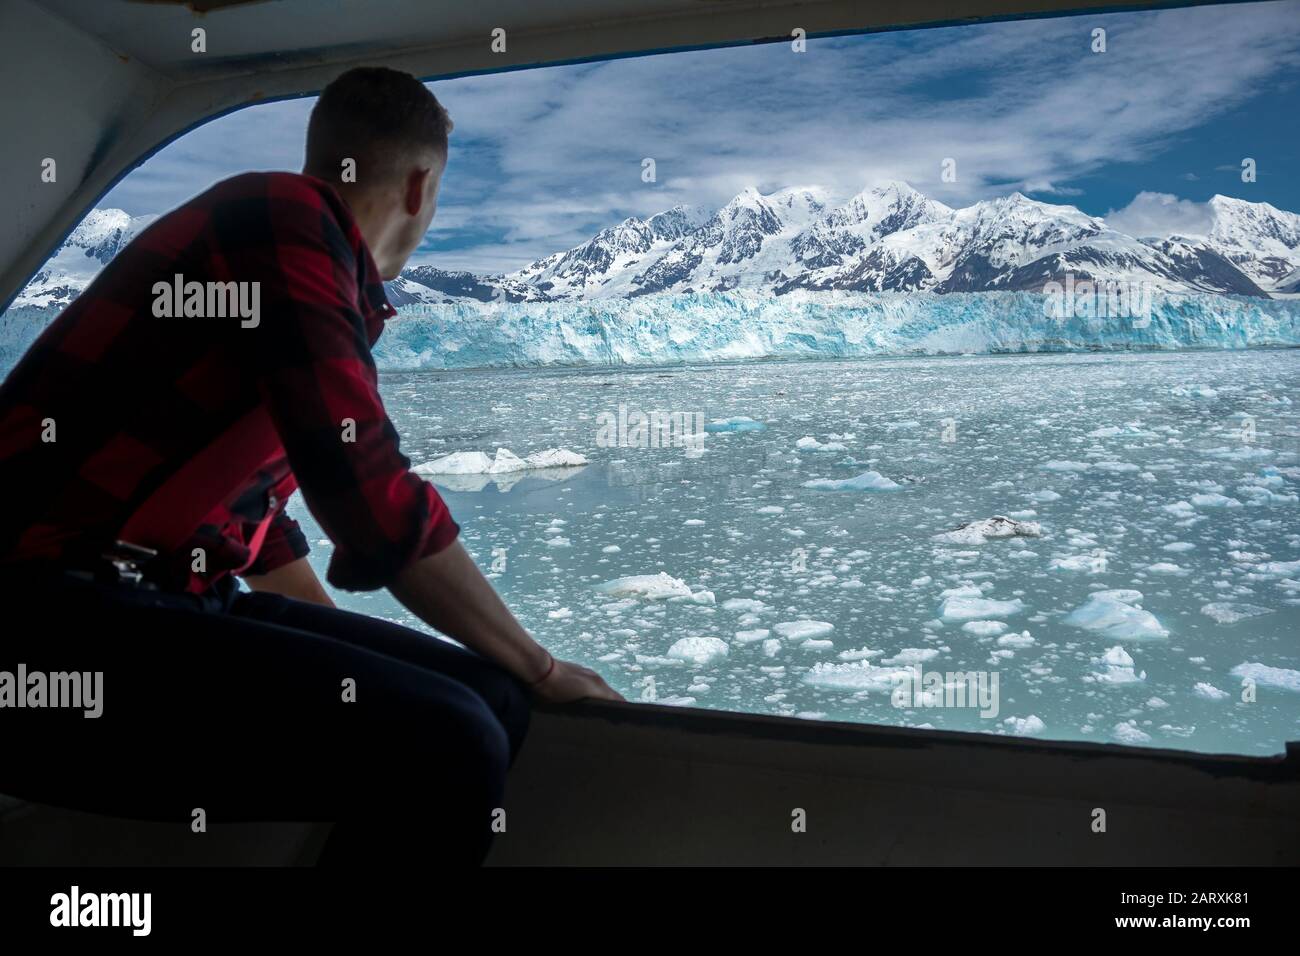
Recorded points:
(891,238)
(91,246)
(887,238)
(1257,237)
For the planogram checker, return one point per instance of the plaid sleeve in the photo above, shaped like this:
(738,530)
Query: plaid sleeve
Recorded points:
(284,543)
(311,359)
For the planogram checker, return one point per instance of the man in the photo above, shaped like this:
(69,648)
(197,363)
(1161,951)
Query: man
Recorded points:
(149,440)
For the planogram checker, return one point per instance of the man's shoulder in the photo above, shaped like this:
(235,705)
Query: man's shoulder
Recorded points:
(267,208)
(274,187)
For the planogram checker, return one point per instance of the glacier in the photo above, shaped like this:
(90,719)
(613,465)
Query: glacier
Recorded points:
(709,327)
(695,328)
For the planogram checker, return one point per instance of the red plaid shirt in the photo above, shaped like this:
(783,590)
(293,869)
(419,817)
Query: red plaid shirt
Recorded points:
(132,401)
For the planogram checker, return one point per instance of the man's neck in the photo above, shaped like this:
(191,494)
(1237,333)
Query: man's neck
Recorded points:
(373,220)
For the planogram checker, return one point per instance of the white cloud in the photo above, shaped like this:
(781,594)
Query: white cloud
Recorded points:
(543,158)
(1162,214)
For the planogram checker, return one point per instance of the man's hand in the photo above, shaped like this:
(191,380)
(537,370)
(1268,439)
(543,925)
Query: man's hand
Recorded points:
(568,682)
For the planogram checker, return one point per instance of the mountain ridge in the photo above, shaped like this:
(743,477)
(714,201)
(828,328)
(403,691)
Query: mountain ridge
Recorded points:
(888,237)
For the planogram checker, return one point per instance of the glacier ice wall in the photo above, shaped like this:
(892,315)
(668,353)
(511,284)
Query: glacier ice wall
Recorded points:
(713,327)
(729,326)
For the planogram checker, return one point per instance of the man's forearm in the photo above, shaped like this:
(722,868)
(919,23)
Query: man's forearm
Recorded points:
(448,591)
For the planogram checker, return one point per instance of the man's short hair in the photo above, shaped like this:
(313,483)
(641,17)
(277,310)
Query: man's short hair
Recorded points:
(381,118)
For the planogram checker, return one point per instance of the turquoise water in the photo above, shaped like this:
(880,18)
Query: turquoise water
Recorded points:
(1163,486)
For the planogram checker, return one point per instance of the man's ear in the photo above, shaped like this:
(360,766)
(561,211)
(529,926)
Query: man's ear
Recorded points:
(416,181)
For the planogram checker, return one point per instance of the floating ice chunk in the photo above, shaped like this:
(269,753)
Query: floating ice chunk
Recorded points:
(1025,726)
(1164,567)
(506,462)
(693,522)
(1023,639)
(1110,431)
(1115,467)
(744,604)
(1128,732)
(698,650)
(1226,612)
(556,458)
(1065,466)
(1282,677)
(856,675)
(1215,501)
(1179,546)
(559,614)
(1279,568)
(1209,691)
(1117,668)
(867,481)
(739,423)
(813,644)
(861,654)
(1044,496)
(912,655)
(654,587)
(1240,452)
(457,463)
(999,526)
(1258,496)
(803,630)
(808,443)
(984,628)
(771,510)
(1116,616)
(1091,563)
(771,647)
(611,549)
(655,659)
(968,604)
(749,637)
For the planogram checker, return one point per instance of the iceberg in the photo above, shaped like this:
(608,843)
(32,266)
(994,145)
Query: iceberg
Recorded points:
(999,526)
(505,462)
(867,481)
(1117,668)
(1115,615)
(655,587)
(698,650)
(738,423)
(967,603)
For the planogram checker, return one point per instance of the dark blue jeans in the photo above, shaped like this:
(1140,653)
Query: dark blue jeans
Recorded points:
(258,707)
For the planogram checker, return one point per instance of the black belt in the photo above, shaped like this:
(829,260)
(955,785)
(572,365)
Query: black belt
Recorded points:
(119,563)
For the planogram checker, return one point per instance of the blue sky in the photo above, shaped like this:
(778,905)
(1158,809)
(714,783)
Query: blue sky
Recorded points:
(541,159)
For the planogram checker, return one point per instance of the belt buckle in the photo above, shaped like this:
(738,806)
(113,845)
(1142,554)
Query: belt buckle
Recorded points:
(126,559)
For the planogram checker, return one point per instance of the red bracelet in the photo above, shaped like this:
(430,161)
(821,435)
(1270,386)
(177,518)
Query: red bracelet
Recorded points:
(548,670)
